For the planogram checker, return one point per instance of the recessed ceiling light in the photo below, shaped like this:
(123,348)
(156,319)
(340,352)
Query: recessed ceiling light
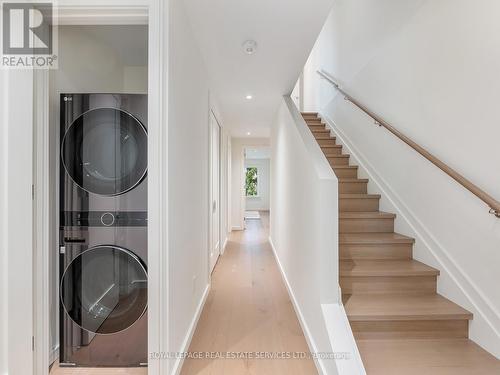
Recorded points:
(248,133)
(250,47)
(249,97)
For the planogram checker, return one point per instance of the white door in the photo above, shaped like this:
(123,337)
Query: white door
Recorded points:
(215,191)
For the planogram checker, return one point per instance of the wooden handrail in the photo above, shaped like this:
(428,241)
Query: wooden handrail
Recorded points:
(492,203)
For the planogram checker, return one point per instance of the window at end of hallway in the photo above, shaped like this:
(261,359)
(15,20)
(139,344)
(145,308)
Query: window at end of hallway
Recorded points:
(251,182)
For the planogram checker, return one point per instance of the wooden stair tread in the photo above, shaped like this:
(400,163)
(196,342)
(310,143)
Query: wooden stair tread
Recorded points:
(374,238)
(426,356)
(359,196)
(353,180)
(388,268)
(330,148)
(366,215)
(380,307)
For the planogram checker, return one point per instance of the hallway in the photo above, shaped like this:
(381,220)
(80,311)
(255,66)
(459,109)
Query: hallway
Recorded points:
(248,310)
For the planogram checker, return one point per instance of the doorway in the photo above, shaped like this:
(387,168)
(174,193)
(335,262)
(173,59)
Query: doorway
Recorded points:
(131,76)
(215,191)
(98,118)
(257,182)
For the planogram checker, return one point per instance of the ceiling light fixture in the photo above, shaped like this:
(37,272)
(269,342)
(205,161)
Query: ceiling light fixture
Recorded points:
(250,47)
(249,97)
(248,133)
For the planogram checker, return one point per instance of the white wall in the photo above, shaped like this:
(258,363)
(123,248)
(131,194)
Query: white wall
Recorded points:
(91,59)
(188,180)
(238,178)
(188,142)
(16,245)
(430,68)
(304,224)
(261,202)
(4,284)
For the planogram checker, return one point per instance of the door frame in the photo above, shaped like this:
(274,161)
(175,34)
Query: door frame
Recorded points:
(256,143)
(228,187)
(212,112)
(243,195)
(109,12)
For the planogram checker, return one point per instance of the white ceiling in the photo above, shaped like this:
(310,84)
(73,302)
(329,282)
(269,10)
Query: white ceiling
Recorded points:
(285,31)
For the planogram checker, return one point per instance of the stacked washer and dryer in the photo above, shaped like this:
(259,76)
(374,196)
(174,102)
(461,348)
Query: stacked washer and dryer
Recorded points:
(103,230)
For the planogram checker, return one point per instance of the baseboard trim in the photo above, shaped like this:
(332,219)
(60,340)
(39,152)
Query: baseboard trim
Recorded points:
(192,328)
(226,240)
(54,354)
(307,333)
(446,263)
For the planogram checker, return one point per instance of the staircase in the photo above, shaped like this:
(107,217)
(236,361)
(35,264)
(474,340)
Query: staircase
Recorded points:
(400,323)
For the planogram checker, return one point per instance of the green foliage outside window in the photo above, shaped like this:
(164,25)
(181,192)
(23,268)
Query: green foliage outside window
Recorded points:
(251,181)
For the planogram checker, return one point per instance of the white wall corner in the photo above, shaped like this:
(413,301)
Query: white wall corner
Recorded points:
(189,335)
(459,287)
(348,359)
(313,348)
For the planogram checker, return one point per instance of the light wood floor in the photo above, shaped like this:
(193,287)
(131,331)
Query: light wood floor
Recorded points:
(56,370)
(248,310)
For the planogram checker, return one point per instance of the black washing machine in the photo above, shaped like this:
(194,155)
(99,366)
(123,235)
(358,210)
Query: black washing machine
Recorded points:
(103,230)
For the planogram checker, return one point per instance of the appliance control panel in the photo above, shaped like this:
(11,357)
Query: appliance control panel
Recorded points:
(104,219)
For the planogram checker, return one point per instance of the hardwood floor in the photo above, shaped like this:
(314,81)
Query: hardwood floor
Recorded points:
(56,370)
(248,310)
(400,322)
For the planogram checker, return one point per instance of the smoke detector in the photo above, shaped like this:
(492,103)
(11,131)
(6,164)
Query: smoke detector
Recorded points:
(250,47)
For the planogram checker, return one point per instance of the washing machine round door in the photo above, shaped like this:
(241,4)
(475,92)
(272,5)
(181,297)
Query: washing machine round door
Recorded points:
(104,151)
(104,289)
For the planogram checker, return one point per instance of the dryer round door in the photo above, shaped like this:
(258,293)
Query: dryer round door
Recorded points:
(104,151)
(104,289)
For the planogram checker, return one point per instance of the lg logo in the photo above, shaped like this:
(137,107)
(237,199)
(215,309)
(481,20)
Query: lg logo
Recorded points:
(27,28)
